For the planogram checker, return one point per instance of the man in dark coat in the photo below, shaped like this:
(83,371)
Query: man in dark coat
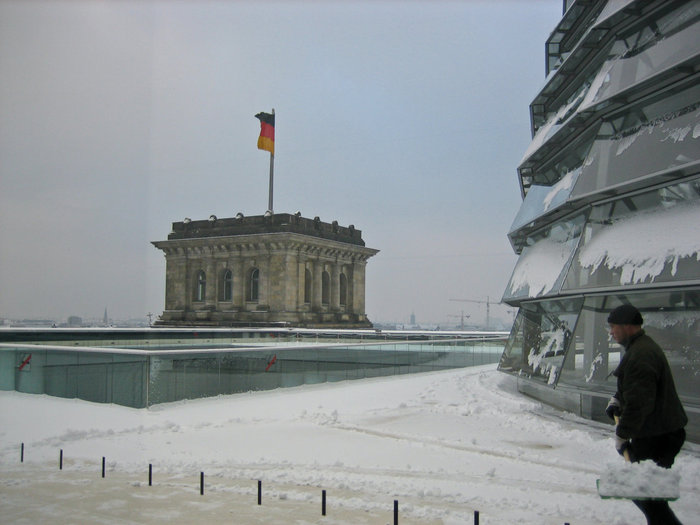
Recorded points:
(652,421)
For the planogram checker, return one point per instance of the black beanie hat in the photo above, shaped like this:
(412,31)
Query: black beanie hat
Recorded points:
(625,314)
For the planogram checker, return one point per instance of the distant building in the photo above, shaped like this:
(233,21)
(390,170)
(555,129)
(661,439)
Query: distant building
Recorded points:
(29,322)
(264,270)
(611,203)
(74,321)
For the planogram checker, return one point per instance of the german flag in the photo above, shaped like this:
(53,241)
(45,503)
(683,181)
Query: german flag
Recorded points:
(266,140)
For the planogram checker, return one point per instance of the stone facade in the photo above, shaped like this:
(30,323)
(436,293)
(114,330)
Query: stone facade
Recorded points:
(264,270)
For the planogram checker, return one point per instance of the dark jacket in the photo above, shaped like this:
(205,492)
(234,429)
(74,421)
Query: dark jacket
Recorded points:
(648,399)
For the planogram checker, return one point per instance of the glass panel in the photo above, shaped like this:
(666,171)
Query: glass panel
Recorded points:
(12,364)
(542,199)
(571,159)
(655,46)
(671,318)
(543,264)
(650,237)
(128,382)
(227,292)
(661,44)
(539,339)
(201,286)
(642,142)
(555,121)
(253,285)
(622,72)
(611,8)
(138,380)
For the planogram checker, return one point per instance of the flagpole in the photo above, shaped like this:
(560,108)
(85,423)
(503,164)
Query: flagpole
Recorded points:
(272,170)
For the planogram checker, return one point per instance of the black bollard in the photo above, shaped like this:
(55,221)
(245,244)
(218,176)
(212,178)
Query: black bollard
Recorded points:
(323,503)
(103,466)
(60,460)
(259,492)
(476,517)
(150,474)
(201,483)
(396,512)
(21,454)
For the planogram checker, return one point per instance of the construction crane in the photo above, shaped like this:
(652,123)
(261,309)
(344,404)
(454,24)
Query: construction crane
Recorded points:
(461,326)
(488,304)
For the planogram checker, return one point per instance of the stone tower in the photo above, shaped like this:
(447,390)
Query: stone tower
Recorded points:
(266,270)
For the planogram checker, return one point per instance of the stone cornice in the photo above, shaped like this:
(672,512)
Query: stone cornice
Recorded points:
(264,224)
(265,244)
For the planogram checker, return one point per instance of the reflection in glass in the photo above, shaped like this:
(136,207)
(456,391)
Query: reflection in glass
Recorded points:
(539,339)
(671,318)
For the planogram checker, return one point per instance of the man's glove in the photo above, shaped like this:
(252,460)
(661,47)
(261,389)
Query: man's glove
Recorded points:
(613,408)
(621,444)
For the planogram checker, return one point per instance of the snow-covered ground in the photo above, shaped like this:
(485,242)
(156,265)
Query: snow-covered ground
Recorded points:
(442,444)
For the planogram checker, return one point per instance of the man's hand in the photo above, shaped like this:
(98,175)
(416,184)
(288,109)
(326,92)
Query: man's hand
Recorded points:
(623,447)
(613,408)
(621,444)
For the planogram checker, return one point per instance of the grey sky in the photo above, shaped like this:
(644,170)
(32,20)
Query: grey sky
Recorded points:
(406,119)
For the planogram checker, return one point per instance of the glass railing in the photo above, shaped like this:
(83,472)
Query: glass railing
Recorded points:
(139,375)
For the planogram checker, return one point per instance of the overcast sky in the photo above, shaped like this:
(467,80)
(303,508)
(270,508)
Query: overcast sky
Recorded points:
(405,118)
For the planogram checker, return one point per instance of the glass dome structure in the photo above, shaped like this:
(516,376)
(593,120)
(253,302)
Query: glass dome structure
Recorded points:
(611,203)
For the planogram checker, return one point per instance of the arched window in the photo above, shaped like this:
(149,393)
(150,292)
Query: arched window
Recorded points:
(227,285)
(343,290)
(307,286)
(253,286)
(325,288)
(201,288)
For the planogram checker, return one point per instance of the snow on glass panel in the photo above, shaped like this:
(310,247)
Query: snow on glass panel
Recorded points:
(542,199)
(555,121)
(542,265)
(663,139)
(648,238)
(646,52)
(540,338)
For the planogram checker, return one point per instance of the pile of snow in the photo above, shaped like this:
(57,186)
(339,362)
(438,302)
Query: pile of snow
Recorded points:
(443,444)
(644,480)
